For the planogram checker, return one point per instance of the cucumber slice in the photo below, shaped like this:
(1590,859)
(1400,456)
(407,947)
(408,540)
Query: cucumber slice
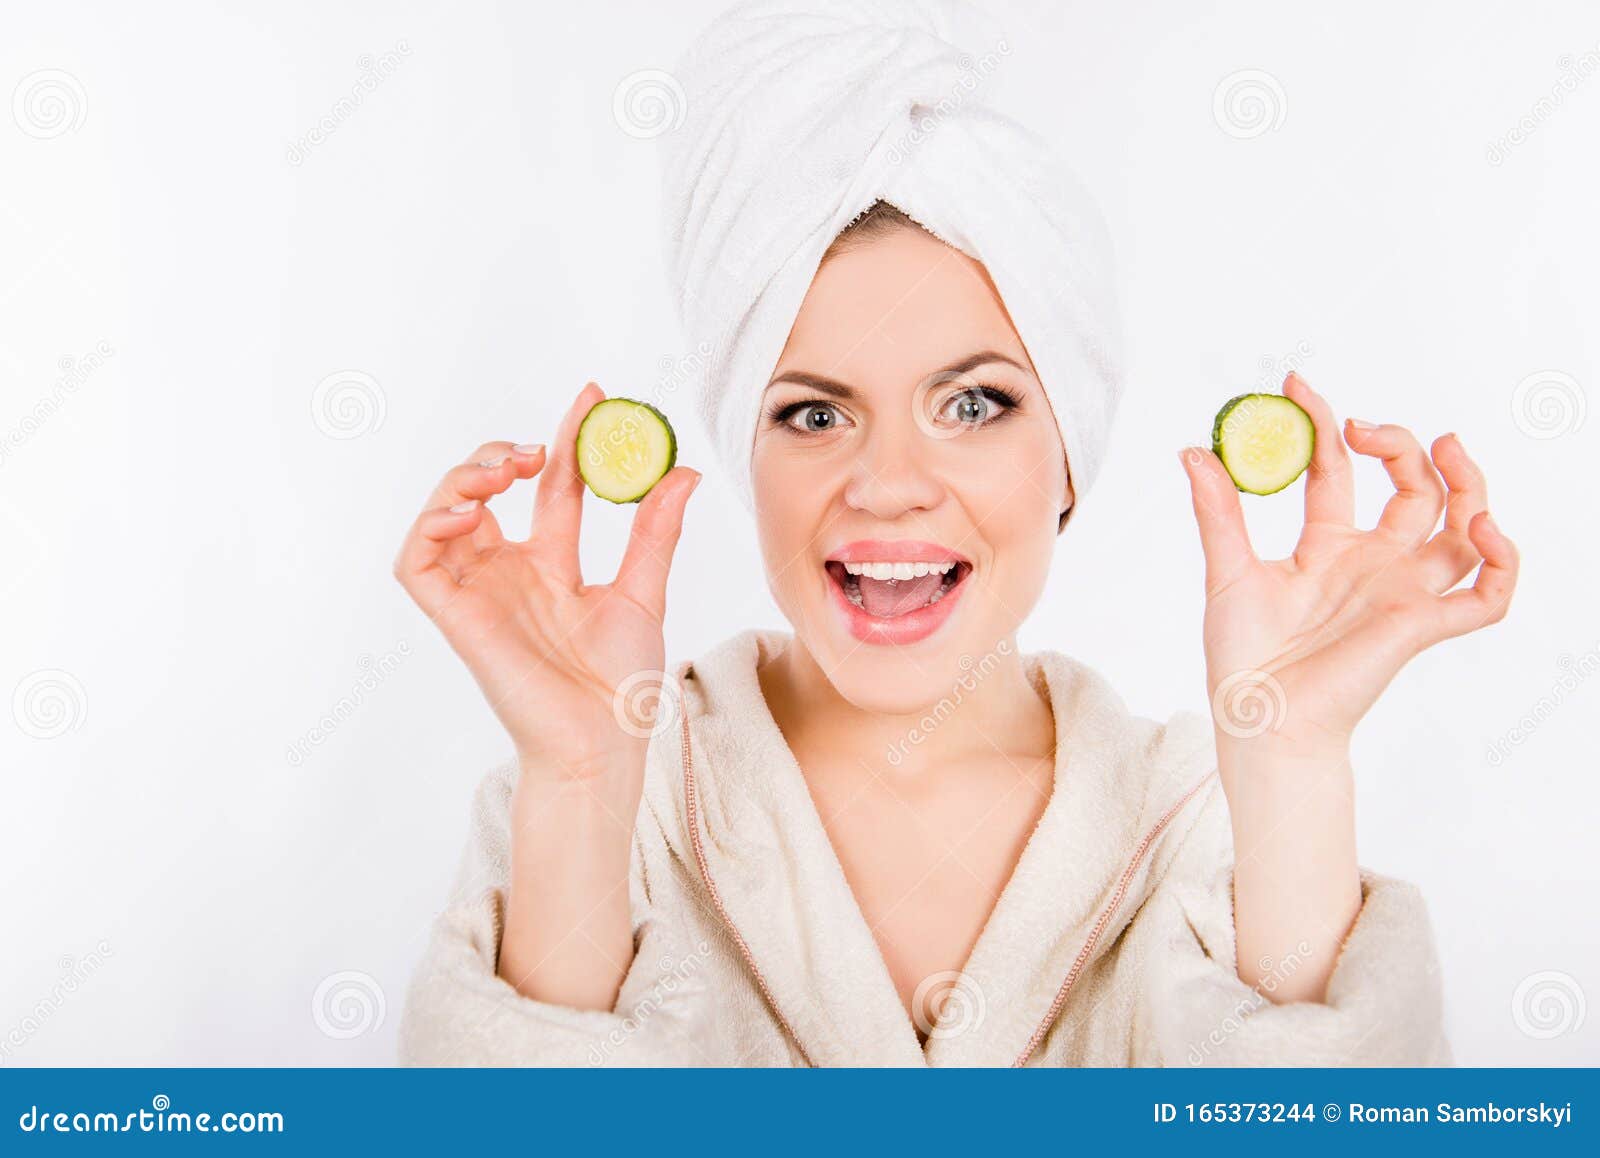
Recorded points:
(1265,441)
(624,447)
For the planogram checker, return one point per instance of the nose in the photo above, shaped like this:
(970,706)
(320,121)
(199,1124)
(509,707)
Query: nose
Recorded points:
(892,474)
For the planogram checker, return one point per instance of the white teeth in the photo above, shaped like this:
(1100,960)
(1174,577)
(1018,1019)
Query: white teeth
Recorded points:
(897,570)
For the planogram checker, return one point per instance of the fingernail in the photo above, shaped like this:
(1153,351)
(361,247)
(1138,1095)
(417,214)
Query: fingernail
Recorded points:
(529,448)
(493,462)
(463,508)
(1489,519)
(695,482)
(1360,425)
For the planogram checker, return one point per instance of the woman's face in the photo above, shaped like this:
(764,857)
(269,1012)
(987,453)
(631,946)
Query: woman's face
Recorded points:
(904,425)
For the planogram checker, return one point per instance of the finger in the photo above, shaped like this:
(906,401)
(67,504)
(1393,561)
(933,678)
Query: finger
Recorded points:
(1489,597)
(642,575)
(1450,556)
(1223,537)
(488,471)
(420,563)
(1419,494)
(558,508)
(1330,483)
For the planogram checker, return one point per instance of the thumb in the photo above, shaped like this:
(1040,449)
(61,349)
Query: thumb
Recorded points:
(656,527)
(1223,537)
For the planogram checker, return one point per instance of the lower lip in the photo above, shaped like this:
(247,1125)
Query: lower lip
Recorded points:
(902,629)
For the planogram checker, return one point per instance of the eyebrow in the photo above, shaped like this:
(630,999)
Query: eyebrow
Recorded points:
(838,389)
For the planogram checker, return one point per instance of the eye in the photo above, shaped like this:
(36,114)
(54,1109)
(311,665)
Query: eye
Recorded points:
(976,406)
(810,416)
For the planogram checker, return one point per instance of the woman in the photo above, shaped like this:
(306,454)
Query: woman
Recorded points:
(889,838)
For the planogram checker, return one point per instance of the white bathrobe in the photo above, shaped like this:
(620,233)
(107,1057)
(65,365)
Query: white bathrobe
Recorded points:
(1112,944)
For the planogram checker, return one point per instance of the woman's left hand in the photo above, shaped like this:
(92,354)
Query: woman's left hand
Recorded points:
(1298,649)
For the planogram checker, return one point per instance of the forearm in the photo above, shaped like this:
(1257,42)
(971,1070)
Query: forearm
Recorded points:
(1297,886)
(568,938)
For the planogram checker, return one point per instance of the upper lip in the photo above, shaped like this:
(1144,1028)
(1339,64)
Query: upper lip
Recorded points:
(896,551)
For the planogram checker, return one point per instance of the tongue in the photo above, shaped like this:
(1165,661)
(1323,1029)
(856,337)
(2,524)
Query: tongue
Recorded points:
(888,597)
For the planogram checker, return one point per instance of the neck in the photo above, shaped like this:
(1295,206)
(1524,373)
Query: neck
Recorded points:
(988,709)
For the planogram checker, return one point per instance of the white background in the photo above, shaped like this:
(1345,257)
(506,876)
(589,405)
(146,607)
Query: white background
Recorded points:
(187,541)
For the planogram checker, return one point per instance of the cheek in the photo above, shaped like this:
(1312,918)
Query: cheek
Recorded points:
(787,515)
(1022,484)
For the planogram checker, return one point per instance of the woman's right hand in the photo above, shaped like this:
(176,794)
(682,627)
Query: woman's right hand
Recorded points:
(549,652)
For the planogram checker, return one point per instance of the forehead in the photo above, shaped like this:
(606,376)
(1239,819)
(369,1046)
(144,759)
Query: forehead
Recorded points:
(895,308)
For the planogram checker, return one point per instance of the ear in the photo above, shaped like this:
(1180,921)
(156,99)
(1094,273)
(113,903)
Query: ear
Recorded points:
(1066,505)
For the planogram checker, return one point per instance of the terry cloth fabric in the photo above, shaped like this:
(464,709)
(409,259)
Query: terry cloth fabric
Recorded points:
(1112,943)
(797,117)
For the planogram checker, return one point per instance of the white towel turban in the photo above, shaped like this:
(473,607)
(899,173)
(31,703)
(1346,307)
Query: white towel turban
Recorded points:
(796,117)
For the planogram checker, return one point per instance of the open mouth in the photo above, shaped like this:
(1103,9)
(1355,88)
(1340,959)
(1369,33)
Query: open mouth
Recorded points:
(888,590)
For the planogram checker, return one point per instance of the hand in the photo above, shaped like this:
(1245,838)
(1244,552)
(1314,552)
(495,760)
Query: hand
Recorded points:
(548,651)
(1298,649)
(1304,645)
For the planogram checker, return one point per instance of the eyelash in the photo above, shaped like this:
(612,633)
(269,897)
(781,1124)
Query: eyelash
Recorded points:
(779,415)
